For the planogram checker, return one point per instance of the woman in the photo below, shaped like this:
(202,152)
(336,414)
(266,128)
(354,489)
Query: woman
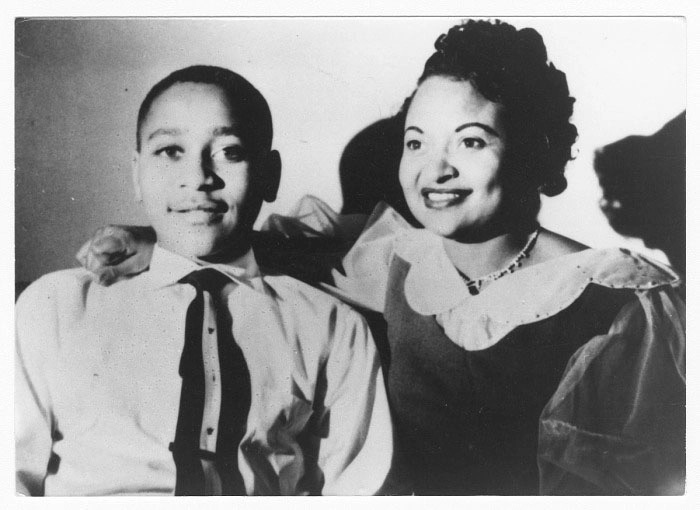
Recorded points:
(511,345)
(519,361)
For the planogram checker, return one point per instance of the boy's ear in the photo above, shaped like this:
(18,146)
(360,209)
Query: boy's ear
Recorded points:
(273,172)
(135,175)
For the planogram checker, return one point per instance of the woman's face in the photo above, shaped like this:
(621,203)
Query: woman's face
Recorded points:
(451,168)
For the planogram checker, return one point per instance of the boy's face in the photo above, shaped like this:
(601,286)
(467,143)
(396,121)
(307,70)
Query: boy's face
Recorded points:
(194,175)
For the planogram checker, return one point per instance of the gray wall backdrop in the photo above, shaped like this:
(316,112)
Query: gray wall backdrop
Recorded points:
(79,84)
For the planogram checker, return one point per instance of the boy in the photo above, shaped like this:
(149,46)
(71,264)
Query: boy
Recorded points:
(277,389)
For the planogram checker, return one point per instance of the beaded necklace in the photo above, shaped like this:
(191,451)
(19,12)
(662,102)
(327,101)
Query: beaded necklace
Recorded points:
(474,286)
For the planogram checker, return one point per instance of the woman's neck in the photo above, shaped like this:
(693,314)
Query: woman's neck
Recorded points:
(482,258)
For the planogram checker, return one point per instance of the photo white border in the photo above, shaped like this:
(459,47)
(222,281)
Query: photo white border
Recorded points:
(319,8)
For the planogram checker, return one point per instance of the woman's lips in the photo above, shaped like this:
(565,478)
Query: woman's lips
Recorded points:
(435,198)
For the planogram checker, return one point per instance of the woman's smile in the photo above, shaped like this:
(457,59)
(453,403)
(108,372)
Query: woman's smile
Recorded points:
(436,198)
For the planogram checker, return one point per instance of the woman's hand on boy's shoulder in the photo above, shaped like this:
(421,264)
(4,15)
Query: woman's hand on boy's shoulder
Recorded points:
(115,252)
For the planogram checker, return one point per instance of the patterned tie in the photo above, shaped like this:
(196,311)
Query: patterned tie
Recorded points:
(214,401)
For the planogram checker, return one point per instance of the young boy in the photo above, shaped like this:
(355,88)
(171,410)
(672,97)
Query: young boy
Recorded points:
(277,389)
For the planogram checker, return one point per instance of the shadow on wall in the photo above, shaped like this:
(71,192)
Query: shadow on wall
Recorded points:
(19,288)
(643,183)
(369,169)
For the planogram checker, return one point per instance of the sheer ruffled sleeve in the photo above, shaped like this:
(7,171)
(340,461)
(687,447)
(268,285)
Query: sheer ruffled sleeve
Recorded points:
(616,424)
(363,278)
(312,217)
(315,238)
(308,242)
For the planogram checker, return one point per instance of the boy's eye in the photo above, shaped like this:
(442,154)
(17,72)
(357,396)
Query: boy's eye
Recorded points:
(171,151)
(232,153)
(474,143)
(413,145)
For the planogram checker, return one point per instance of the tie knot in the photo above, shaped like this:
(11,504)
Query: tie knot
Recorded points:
(207,279)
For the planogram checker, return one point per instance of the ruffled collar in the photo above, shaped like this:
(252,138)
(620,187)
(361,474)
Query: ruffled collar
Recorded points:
(433,287)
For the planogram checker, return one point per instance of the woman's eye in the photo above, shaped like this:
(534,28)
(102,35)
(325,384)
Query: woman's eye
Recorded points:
(474,143)
(413,145)
(171,151)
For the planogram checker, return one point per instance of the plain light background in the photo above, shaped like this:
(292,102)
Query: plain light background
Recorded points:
(79,83)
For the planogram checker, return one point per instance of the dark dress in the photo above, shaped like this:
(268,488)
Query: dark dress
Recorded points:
(467,421)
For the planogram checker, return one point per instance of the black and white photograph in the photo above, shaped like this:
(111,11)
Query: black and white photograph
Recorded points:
(391,255)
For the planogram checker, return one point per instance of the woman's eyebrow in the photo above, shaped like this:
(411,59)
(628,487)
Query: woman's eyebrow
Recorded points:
(485,127)
(414,128)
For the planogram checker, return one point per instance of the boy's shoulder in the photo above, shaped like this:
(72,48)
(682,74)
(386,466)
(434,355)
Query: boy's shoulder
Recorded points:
(304,297)
(323,324)
(287,286)
(53,299)
(67,286)
(64,281)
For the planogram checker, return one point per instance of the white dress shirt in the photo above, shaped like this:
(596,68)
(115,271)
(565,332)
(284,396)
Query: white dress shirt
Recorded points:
(97,384)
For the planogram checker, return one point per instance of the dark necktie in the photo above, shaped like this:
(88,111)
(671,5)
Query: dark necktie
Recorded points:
(201,471)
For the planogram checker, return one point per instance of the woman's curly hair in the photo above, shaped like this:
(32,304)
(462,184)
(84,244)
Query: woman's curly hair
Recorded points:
(510,67)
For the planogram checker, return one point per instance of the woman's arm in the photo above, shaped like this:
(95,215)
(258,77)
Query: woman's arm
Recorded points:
(305,244)
(616,424)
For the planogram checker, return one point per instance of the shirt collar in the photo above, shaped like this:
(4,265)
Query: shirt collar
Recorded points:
(167,268)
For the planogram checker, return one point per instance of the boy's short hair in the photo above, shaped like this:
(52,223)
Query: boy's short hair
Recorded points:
(251,108)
